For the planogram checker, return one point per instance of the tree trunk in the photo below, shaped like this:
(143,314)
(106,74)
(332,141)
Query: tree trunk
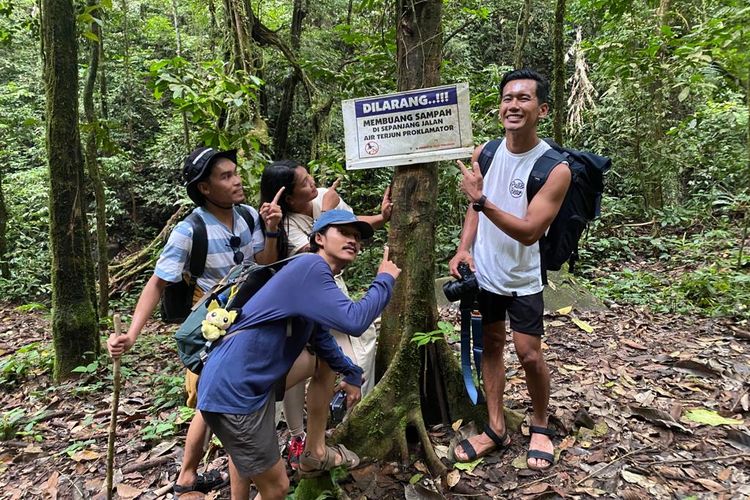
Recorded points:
(243,56)
(92,166)
(128,75)
(522,34)
(4,265)
(558,91)
(281,134)
(377,427)
(102,75)
(74,321)
(320,123)
(213,33)
(178,52)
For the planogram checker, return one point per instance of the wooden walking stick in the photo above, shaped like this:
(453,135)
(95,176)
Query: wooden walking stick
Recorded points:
(113,416)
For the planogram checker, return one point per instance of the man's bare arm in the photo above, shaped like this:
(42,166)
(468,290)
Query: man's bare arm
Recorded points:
(541,212)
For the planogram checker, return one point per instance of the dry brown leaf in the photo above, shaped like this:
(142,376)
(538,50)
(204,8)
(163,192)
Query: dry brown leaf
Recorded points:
(633,494)
(421,467)
(634,345)
(567,442)
(457,424)
(711,485)
(658,417)
(633,478)
(535,489)
(575,368)
(126,492)
(50,486)
(724,474)
(84,455)
(453,478)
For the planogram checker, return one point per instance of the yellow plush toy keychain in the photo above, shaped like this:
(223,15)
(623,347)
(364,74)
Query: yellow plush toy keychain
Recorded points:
(217,321)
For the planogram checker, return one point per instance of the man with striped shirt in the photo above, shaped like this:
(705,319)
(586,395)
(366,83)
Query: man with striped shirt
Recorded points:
(214,185)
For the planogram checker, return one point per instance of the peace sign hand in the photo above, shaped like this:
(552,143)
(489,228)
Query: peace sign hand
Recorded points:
(472,181)
(331,198)
(271,212)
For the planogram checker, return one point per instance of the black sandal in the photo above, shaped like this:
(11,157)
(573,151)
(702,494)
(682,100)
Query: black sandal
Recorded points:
(471,453)
(205,482)
(539,454)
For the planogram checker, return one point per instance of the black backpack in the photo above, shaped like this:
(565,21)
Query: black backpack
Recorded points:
(177,299)
(582,202)
(233,291)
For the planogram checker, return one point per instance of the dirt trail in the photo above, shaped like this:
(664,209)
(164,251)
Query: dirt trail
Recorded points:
(628,399)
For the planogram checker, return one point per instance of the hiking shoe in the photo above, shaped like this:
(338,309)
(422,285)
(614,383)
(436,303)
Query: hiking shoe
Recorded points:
(295,448)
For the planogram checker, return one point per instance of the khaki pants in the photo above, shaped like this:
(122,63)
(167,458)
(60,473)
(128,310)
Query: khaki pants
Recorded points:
(191,379)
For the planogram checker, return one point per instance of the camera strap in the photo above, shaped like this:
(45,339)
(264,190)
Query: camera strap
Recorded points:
(471,333)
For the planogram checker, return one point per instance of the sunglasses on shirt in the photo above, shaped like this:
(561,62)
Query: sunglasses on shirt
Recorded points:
(234,244)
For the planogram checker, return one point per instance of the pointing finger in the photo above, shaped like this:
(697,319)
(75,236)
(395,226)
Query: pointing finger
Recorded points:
(278,195)
(386,250)
(336,183)
(463,168)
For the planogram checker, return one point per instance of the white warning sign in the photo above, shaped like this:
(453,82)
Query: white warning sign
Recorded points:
(417,126)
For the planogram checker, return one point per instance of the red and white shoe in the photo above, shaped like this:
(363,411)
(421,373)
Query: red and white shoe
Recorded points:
(295,448)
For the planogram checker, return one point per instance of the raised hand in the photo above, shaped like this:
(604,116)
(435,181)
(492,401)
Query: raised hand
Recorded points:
(472,182)
(271,212)
(386,206)
(386,266)
(331,198)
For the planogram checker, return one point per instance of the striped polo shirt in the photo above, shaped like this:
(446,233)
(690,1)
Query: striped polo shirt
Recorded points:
(175,258)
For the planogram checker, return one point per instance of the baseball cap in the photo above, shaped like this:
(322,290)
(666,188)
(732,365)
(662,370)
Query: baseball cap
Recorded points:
(341,218)
(196,166)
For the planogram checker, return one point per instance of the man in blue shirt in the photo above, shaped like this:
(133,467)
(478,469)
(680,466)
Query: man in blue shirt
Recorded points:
(266,347)
(214,185)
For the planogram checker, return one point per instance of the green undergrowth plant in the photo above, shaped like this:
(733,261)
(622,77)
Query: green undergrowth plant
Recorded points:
(688,273)
(31,360)
(444,330)
(9,423)
(166,424)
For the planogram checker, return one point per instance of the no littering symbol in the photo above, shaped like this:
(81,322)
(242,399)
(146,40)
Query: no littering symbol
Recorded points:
(372,148)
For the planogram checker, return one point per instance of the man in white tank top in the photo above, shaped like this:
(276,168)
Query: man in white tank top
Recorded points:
(499,242)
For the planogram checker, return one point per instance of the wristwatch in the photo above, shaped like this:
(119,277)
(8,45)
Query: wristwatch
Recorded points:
(479,204)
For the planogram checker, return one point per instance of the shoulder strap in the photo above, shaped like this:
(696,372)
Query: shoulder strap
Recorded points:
(245,214)
(486,155)
(541,170)
(199,245)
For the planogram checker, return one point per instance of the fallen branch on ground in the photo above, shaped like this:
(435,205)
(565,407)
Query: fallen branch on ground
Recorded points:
(629,454)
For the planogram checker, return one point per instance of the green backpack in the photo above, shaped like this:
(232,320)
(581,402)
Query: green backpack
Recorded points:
(192,347)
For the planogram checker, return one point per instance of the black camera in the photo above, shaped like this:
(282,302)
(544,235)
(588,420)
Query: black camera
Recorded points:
(338,407)
(464,288)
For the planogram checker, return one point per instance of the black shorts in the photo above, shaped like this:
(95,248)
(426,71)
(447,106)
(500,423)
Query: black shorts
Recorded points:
(526,312)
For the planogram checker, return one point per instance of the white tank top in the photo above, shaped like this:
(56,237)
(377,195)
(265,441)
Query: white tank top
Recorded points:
(506,266)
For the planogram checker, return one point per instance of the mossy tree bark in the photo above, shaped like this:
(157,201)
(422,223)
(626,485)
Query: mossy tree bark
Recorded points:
(74,320)
(4,265)
(522,34)
(411,376)
(558,90)
(243,57)
(281,132)
(92,164)
(378,425)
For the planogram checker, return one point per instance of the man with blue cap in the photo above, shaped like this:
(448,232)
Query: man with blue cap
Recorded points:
(296,308)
